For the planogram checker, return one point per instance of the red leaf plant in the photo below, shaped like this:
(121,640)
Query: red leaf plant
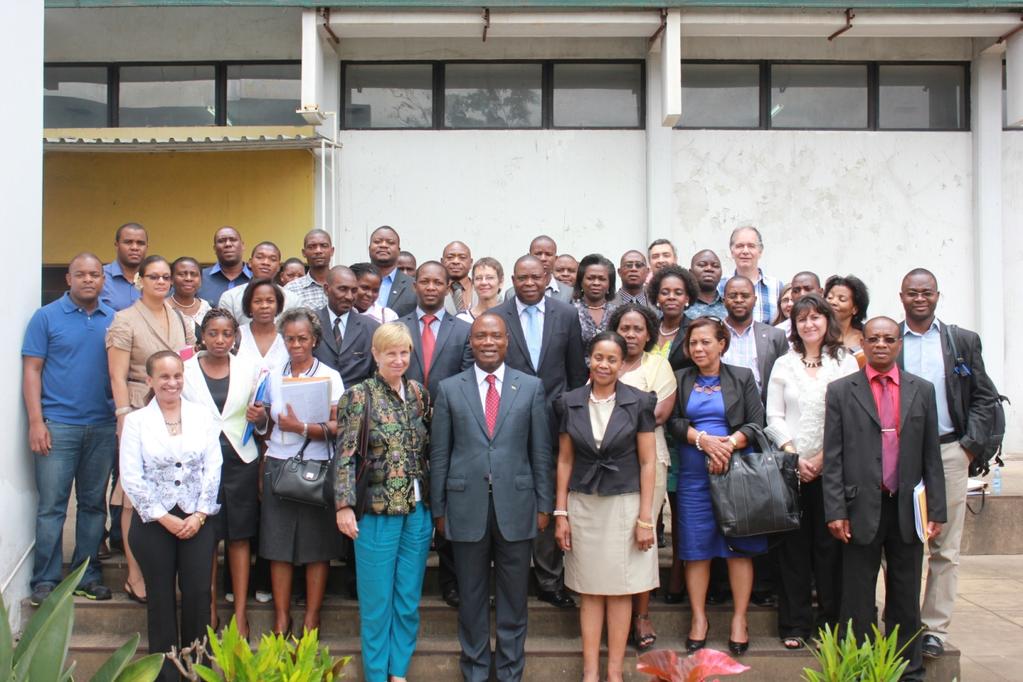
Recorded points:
(667,666)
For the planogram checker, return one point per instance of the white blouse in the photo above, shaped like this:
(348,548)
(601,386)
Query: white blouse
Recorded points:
(160,471)
(795,400)
(275,357)
(281,446)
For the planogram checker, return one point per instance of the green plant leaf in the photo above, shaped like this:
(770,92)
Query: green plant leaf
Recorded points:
(6,644)
(43,657)
(109,671)
(146,669)
(207,674)
(62,594)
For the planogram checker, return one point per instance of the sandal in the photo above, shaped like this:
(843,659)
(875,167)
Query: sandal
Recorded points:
(642,641)
(793,643)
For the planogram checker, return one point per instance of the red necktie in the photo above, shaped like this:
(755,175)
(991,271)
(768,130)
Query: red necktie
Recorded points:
(493,403)
(429,341)
(889,437)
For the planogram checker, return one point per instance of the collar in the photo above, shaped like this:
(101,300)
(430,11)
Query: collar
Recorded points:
(333,316)
(114,269)
(420,312)
(736,332)
(68,306)
(718,298)
(389,277)
(758,280)
(935,327)
(521,307)
(892,374)
(481,376)
(245,270)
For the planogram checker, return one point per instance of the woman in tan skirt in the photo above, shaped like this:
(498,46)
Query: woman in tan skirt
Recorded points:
(148,326)
(604,524)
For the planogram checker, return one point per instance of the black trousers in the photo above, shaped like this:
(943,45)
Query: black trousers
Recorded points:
(166,562)
(904,565)
(511,567)
(806,556)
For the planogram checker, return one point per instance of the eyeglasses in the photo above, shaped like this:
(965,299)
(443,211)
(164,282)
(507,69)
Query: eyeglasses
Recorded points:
(158,278)
(633,265)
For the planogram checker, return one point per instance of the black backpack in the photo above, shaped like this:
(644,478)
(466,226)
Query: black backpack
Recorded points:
(981,464)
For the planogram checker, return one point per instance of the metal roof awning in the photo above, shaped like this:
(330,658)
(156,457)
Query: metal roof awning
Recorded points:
(181,139)
(579,4)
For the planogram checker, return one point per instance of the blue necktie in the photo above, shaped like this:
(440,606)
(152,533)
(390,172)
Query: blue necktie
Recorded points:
(533,335)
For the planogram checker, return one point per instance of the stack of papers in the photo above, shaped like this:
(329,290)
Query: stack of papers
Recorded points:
(309,397)
(920,510)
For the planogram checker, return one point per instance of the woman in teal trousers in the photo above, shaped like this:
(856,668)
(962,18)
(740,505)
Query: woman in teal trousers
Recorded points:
(392,539)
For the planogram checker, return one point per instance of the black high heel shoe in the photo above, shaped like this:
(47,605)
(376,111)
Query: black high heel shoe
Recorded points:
(739,648)
(694,645)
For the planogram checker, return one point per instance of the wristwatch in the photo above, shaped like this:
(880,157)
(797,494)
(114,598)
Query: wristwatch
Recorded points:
(735,443)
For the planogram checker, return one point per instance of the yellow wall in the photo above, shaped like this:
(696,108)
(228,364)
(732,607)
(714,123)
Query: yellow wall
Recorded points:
(180,197)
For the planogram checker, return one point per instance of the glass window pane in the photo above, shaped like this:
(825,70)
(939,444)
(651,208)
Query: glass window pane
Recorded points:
(597,95)
(921,96)
(720,96)
(818,96)
(492,95)
(388,96)
(264,94)
(74,97)
(177,95)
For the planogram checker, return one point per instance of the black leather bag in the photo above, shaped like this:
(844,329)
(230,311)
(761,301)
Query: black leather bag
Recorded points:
(307,481)
(361,459)
(759,494)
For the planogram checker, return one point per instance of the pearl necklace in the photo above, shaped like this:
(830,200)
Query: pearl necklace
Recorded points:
(670,332)
(601,401)
(182,305)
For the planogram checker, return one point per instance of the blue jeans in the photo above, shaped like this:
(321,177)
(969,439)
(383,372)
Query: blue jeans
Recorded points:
(390,557)
(81,455)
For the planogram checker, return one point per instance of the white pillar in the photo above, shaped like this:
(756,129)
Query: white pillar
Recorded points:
(986,116)
(1014,80)
(21,177)
(663,107)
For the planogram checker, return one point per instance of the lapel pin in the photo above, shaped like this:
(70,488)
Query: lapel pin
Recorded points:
(514,387)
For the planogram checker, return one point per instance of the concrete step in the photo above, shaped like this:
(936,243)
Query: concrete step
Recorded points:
(548,659)
(996,527)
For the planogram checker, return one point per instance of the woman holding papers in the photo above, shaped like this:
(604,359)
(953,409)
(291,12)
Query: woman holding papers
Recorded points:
(291,533)
(795,422)
(392,538)
(225,385)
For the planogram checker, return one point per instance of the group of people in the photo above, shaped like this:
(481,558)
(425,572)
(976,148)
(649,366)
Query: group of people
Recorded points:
(537,428)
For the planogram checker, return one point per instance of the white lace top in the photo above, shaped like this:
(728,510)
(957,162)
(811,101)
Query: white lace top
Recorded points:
(795,400)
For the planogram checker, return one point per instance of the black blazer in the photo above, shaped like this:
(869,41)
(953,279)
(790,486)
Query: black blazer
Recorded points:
(852,455)
(562,362)
(613,468)
(402,298)
(739,391)
(451,352)
(971,399)
(771,344)
(354,360)
(677,357)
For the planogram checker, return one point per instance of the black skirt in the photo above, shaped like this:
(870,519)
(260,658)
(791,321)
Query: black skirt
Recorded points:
(293,532)
(239,496)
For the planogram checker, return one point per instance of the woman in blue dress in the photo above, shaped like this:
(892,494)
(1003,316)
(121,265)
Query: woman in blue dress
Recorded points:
(717,403)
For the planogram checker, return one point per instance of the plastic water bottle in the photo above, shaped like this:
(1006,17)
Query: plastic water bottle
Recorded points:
(996,481)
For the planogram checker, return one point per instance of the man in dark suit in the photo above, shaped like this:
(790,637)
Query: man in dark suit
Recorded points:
(347,336)
(396,290)
(545,250)
(440,349)
(880,441)
(754,345)
(491,489)
(544,340)
(950,358)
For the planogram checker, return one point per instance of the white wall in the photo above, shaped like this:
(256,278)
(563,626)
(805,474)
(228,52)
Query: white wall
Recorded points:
(494,190)
(1012,210)
(21,176)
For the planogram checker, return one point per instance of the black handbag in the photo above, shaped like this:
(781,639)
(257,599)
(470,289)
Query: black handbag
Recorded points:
(307,481)
(759,493)
(361,459)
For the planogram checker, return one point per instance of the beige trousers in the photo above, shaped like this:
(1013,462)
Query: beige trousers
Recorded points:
(943,558)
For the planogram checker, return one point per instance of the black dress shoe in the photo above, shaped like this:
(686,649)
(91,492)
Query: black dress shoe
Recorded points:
(738,648)
(558,598)
(674,597)
(451,597)
(932,647)
(764,599)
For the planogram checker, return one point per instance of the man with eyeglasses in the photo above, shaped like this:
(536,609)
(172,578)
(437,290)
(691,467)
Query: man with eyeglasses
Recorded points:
(633,270)
(747,246)
(706,268)
(230,270)
(950,358)
(880,442)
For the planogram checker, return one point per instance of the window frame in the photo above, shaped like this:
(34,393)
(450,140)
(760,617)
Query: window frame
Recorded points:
(546,92)
(219,82)
(873,93)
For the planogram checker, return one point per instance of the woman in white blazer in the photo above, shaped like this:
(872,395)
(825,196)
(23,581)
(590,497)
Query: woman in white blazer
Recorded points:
(170,470)
(225,385)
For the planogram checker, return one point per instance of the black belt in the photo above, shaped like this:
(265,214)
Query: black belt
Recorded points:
(949,438)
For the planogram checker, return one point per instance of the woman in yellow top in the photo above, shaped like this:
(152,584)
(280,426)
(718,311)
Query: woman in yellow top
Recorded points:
(148,326)
(670,290)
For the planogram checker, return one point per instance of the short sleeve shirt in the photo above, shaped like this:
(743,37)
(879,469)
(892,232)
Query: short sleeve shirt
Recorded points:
(76,383)
(118,292)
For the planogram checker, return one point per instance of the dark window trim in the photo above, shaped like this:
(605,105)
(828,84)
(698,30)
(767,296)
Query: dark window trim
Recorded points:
(546,93)
(220,78)
(873,93)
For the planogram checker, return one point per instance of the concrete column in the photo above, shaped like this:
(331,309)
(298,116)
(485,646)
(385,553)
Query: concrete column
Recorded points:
(660,116)
(21,178)
(1014,80)
(986,117)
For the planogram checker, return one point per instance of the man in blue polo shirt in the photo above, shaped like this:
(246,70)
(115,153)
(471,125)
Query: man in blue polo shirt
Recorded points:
(71,420)
(230,270)
(119,291)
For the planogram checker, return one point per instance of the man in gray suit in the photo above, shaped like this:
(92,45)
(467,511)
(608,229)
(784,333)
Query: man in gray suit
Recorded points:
(396,290)
(491,489)
(754,345)
(880,441)
(347,341)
